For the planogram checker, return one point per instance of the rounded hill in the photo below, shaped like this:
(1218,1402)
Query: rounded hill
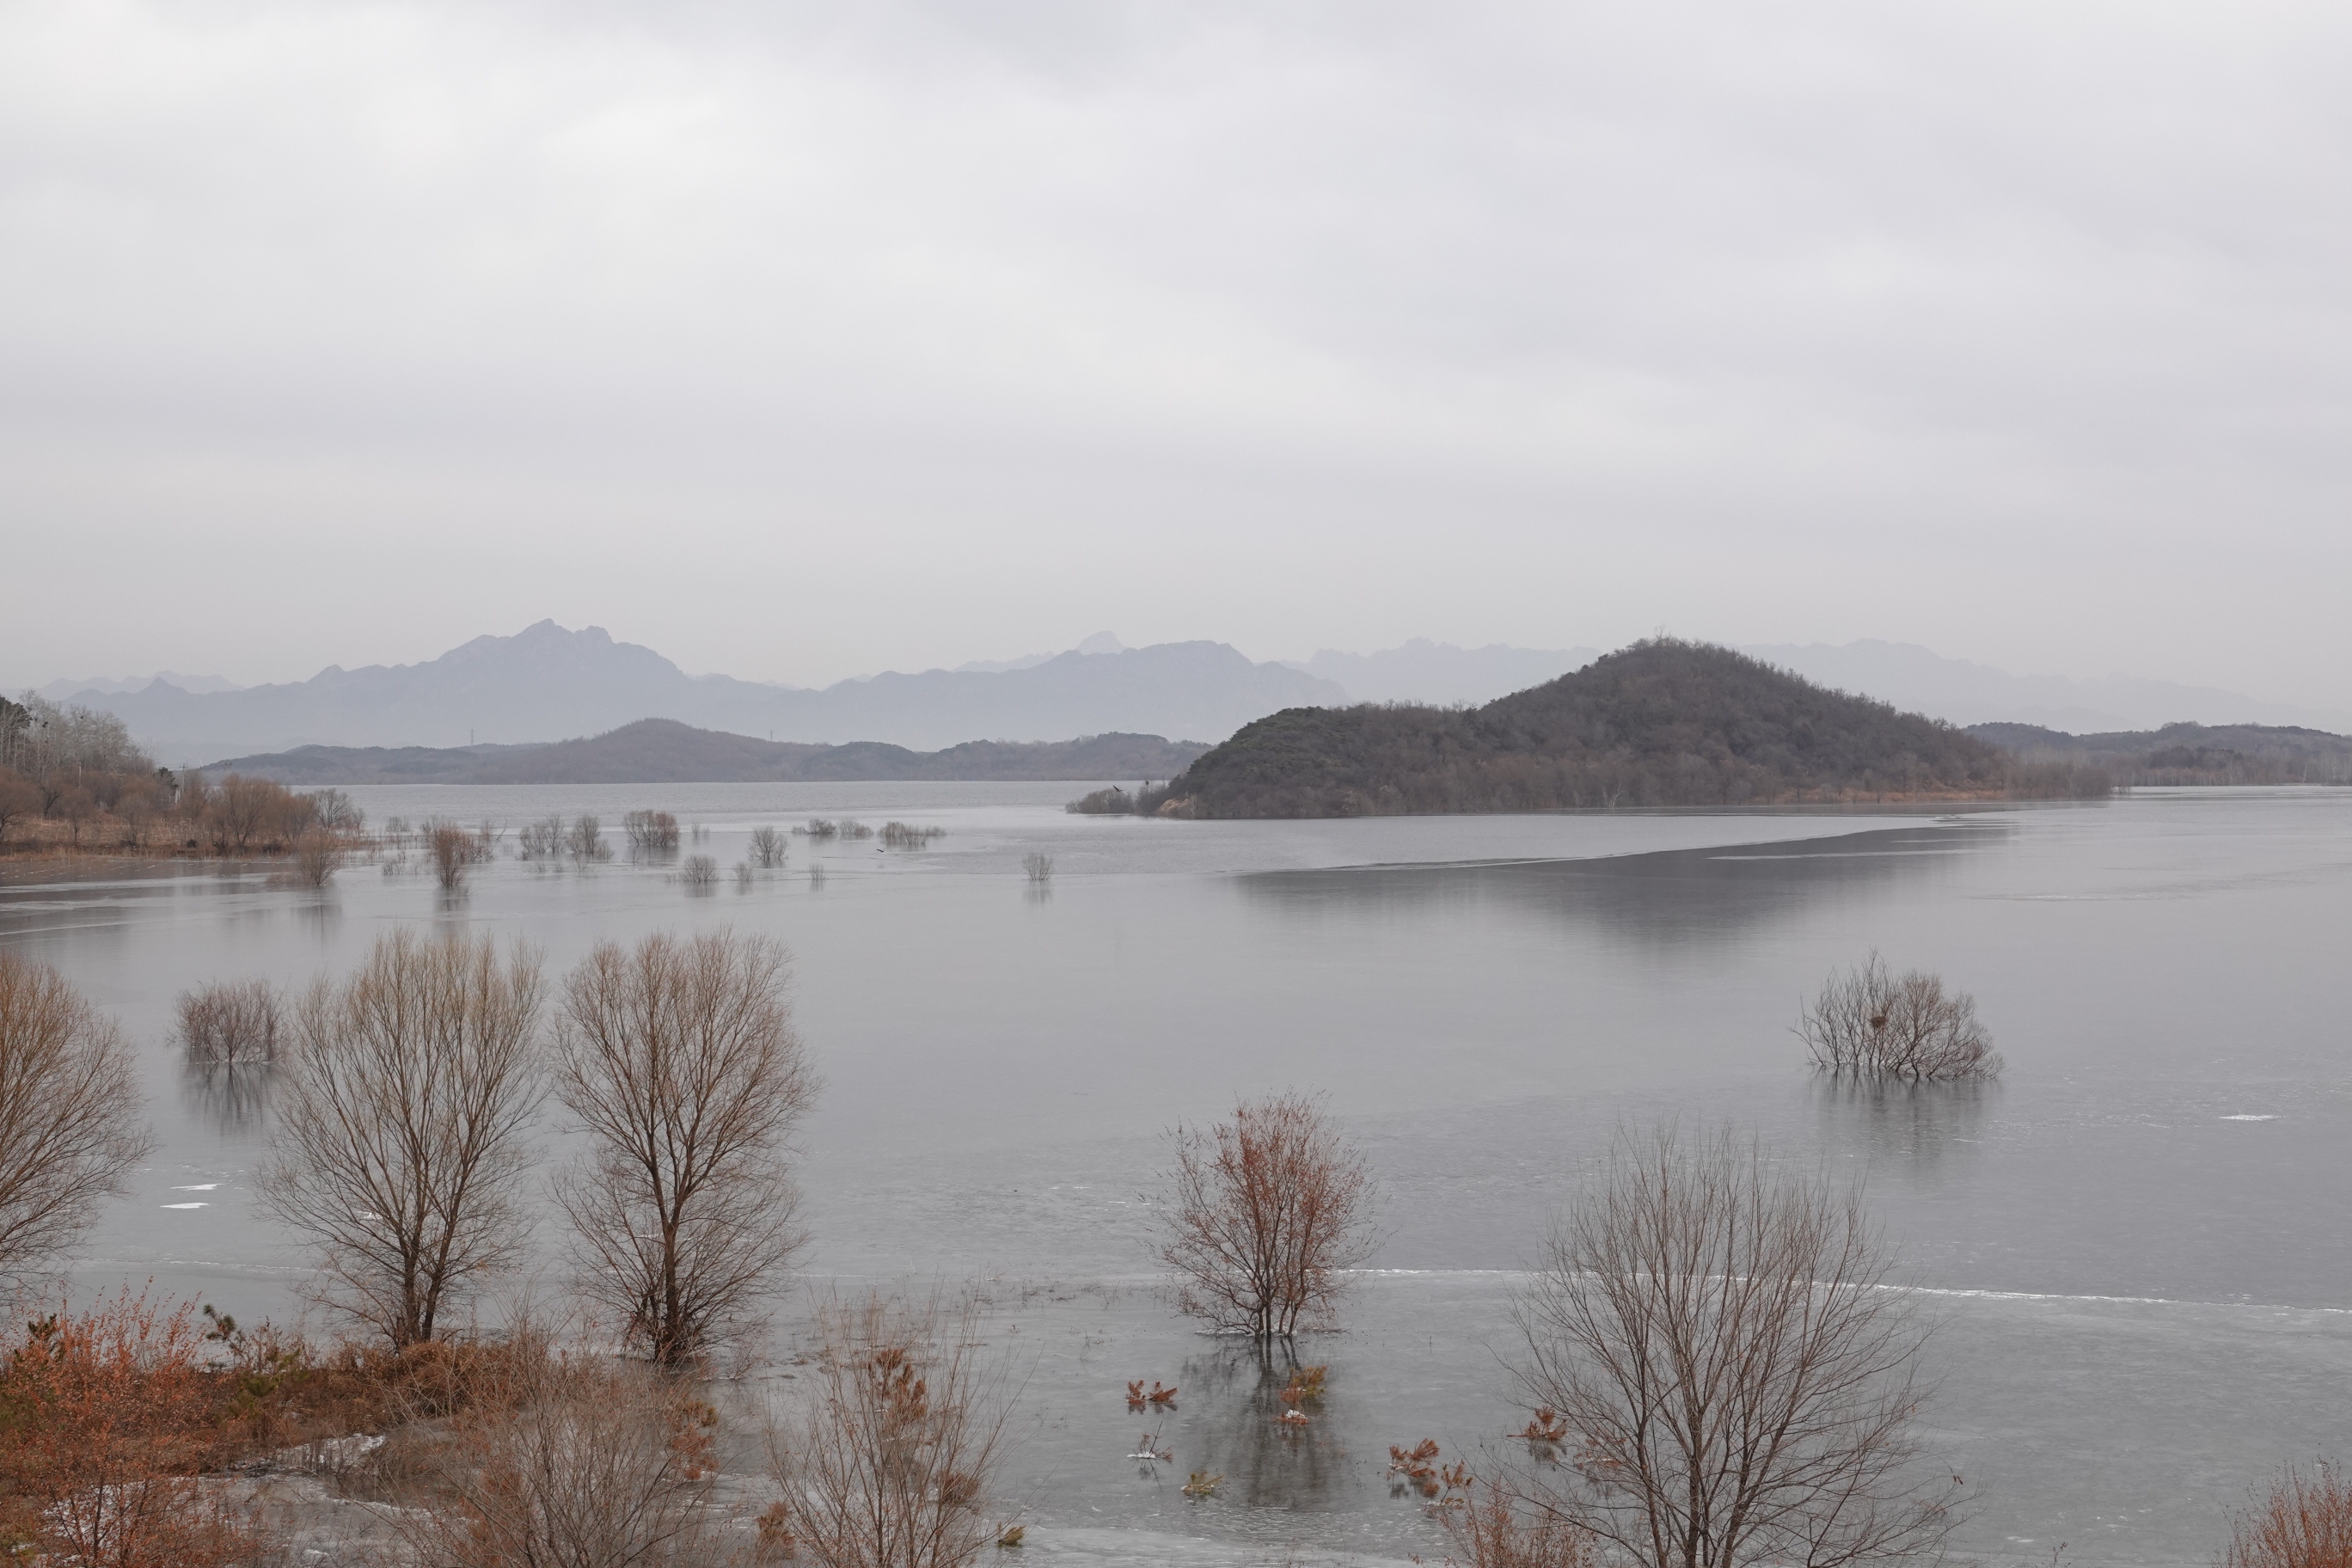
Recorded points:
(1662,722)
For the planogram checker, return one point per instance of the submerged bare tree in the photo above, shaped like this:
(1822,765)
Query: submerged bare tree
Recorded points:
(1267,1213)
(402,1111)
(1728,1349)
(769,847)
(230,1022)
(889,1466)
(1872,1024)
(679,1059)
(69,1127)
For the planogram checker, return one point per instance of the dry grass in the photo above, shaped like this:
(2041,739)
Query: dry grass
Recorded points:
(567,1461)
(110,1419)
(2304,1520)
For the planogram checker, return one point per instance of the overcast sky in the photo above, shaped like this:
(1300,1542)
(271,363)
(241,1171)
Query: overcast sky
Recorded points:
(797,341)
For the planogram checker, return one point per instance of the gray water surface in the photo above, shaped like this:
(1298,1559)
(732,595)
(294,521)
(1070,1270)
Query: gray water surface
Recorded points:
(2139,1239)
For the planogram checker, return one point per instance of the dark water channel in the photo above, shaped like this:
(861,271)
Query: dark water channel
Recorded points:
(2140,1241)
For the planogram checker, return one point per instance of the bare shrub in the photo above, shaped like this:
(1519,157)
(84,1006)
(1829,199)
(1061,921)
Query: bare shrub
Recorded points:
(821,827)
(905,836)
(244,814)
(70,1105)
(651,832)
(700,873)
(890,1463)
(77,807)
(566,1460)
(456,851)
(769,847)
(226,1023)
(1267,1213)
(1726,1346)
(1869,1022)
(402,1110)
(679,1060)
(852,829)
(586,842)
(2301,1521)
(111,1417)
(318,856)
(541,840)
(1039,867)
(1493,1526)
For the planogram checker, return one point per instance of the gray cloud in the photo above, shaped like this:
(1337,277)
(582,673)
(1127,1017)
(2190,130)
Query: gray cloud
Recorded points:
(798,341)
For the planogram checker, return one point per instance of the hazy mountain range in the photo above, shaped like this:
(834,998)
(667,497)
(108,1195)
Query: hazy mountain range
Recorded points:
(548,683)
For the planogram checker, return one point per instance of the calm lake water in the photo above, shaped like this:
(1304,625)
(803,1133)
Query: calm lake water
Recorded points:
(2139,1242)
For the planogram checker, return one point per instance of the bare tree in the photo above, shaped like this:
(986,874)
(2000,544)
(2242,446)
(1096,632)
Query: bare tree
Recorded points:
(401,1118)
(1868,1022)
(318,856)
(700,873)
(77,805)
(228,1022)
(1040,868)
(650,832)
(1268,1212)
(69,1127)
(768,847)
(18,798)
(541,840)
(2301,1521)
(586,842)
(565,1460)
(456,851)
(891,1463)
(1726,1346)
(679,1059)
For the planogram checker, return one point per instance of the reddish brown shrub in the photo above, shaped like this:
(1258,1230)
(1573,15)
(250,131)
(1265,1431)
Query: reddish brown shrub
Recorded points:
(1270,1209)
(2304,1522)
(108,1416)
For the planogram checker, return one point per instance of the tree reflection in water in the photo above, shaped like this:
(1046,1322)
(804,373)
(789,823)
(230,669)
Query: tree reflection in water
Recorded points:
(1919,1123)
(235,1096)
(1233,1427)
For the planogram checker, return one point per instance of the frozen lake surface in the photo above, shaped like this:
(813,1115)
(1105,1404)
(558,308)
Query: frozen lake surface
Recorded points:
(2137,1240)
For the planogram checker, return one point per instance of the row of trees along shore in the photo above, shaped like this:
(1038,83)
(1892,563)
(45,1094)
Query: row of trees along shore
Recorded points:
(1718,1356)
(71,779)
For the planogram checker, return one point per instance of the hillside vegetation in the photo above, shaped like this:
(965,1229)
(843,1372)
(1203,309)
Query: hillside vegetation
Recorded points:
(662,750)
(1662,722)
(2186,753)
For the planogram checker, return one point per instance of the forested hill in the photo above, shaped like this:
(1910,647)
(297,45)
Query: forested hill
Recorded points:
(1662,722)
(2188,753)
